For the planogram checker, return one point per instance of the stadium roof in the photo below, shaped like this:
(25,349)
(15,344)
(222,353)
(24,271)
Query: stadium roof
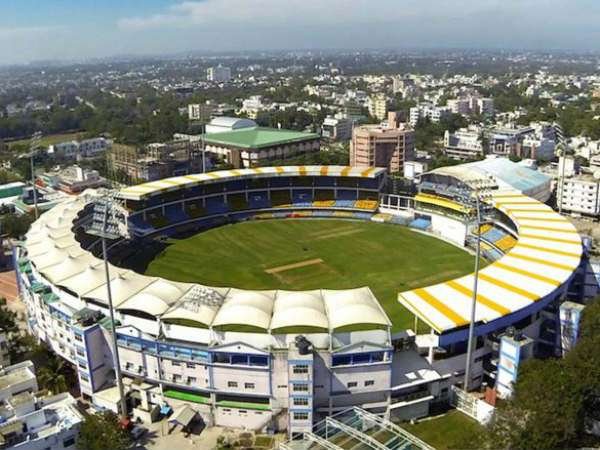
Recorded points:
(507,174)
(145,190)
(545,256)
(69,266)
(257,137)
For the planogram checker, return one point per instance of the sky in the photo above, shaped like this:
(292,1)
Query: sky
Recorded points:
(32,30)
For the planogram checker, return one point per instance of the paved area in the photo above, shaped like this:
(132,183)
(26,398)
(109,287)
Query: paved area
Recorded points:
(159,438)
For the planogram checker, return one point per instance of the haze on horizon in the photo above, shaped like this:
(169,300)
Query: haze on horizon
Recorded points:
(81,29)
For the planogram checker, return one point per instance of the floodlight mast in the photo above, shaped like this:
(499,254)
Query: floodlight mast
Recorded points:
(105,233)
(33,146)
(478,192)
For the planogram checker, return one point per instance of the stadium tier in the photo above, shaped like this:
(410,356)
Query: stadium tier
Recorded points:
(279,359)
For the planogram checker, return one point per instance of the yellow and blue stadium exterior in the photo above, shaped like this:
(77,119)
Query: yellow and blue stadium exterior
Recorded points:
(182,337)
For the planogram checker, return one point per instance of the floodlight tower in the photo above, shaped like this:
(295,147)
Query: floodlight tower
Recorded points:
(33,146)
(478,196)
(109,222)
(562,151)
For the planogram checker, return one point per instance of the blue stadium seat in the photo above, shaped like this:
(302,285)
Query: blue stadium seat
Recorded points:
(345,194)
(344,203)
(175,214)
(216,205)
(302,198)
(257,200)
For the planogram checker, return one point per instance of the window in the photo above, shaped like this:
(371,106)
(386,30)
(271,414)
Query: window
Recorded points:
(191,380)
(352,384)
(300,416)
(190,365)
(78,338)
(248,385)
(369,382)
(298,369)
(175,363)
(300,401)
(176,377)
(232,384)
(300,388)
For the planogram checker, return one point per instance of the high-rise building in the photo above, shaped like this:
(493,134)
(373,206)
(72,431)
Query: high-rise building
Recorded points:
(379,146)
(219,74)
(378,106)
(336,128)
(428,111)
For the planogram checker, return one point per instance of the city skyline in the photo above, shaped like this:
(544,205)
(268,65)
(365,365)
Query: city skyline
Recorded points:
(69,30)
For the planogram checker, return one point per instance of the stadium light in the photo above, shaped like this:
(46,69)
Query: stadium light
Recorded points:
(562,151)
(33,146)
(109,221)
(479,193)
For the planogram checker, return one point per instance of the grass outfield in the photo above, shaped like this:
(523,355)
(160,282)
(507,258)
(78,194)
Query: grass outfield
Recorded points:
(312,254)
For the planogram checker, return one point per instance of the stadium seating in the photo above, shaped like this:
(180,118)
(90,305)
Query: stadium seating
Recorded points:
(258,200)
(237,202)
(345,194)
(506,243)
(344,203)
(302,198)
(323,203)
(157,220)
(194,210)
(324,194)
(366,204)
(281,198)
(420,224)
(175,214)
(216,205)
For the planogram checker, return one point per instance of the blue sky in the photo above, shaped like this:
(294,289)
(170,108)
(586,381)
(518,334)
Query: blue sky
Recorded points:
(76,29)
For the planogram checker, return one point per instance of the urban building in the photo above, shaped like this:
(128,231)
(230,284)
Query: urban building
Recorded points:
(252,106)
(337,128)
(378,106)
(378,146)
(428,111)
(87,148)
(251,147)
(4,353)
(155,161)
(72,180)
(200,112)
(580,194)
(218,74)
(412,169)
(536,141)
(471,105)
(35,423)
(464,144)
(224,124)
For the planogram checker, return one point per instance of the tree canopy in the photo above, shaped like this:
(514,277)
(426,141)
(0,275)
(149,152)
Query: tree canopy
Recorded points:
(554,399)
(102,431)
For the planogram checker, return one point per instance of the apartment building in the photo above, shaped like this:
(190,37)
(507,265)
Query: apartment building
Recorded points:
(473,104)
(219,74)
(87,148)
(379,146)
(337,128)
(428,111)
(580,194)
(35,423)
(464,144)
(378,106)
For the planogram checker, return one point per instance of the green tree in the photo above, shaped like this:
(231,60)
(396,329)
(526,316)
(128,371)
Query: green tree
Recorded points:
(102,431)
(553,398)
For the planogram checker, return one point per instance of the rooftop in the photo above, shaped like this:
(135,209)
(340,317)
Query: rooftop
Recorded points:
(258,137)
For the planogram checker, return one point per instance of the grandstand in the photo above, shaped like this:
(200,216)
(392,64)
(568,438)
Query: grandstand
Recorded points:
(310,353)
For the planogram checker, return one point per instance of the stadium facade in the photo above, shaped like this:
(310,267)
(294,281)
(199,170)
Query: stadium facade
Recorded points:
(286,359)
